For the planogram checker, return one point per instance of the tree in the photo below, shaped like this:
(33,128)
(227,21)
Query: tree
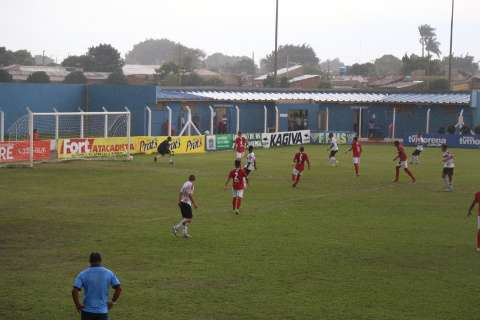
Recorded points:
(388,65)
(414,62)
(284,82)
(428,40)
(439,85)
(160,51)
(330,67)
(168,70)
(5,76)
(117,77)
(105,58)
(43,60)
(6,57)
(464,64)
(363,69)
(291,54)
(38,77)
(85,62)
(24,58)
(220,62)
(75,77)
(269,82)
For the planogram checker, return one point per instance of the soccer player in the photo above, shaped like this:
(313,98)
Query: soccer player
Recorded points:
(402,162)
(418,149)
(448,167)
(163,149)
(333,150)
(299,165)
(476,200)
(239,146)
(185,202)
(251,161)
(239,182)
(356,149)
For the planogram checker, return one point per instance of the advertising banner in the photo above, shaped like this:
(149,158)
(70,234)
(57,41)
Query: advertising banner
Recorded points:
(322,137)
(453,141)
(179,145)
(79,148)
(278,139)
(254,139)
(224,141)
(210,143)
(19,151)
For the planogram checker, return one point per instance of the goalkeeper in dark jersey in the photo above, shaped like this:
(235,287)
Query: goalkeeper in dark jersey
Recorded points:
(164,149)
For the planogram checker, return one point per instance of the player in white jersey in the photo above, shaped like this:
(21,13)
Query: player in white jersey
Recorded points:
(448,167)
(251,164)
(418,149)
(333,148)
(185,202)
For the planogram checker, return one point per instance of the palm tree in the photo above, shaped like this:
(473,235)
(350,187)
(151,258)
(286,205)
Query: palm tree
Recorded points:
(426,33)
(433,46)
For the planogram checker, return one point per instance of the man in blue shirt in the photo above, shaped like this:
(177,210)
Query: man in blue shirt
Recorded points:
(96,281)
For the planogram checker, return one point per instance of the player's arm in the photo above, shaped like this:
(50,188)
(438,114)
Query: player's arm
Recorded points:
(474,202)
(190,195)
(255,164)
(76,299)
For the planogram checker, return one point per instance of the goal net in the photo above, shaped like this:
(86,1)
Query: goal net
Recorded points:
(57,136)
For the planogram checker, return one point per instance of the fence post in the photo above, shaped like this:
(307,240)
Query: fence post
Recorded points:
(2,126)
(129,128)
(149,123)
(105,127)
(30,136)
(394,122)
(265,119)
(360,122)
(169,133)
(327,119)
(212,118)
(81,123)
(427,125)
(56,125)
(238,118)
(276,119)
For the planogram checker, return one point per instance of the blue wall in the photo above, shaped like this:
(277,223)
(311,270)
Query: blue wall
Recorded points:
(15,97)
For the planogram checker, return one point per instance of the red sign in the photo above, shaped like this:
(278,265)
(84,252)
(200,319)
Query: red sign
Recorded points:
(19,151)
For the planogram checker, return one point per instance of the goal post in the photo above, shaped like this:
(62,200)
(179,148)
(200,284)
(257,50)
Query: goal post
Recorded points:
(58,136)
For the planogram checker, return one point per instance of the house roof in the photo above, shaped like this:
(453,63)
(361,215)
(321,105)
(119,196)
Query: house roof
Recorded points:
(139,69)
(449,98)
(280,72)
(304,77)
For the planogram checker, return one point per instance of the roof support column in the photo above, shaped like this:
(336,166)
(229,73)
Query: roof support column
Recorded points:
(212,118)
(327,116)
(238,118)
(169,133)
(427,125)
(265,118)
(394,122)
(276,119)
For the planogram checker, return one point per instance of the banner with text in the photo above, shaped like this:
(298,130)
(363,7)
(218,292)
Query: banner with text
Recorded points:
(453,141)
(19,151)
(224,142)
(179,145)
(278,139)
(254,139)
(322,137)
(80,148)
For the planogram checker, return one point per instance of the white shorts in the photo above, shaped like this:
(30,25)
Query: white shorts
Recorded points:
(238,155)
(296,172)
(237,193)
(403,164)
(356,160)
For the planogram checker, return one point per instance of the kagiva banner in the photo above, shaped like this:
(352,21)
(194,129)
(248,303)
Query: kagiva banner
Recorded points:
(285,138)
(452,140)
(79,148)
(322,137)
(19,151)
(179,145)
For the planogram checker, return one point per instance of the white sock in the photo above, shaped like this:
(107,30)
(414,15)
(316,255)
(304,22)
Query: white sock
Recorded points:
(185,229)
(180,224)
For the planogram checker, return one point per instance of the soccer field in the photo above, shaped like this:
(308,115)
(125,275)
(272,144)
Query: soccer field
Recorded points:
(336,247)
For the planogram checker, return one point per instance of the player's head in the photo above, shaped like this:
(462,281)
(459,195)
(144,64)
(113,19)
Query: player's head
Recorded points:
(35,130)
(237,163)
(95,258)
(191,178)
(355,139)
(396,143)
(250,148)
(169,139)
(444,147)
(302,149)
(330,135)
(239,134)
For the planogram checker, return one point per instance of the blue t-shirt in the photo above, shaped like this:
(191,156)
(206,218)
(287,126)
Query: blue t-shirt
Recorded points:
(96,281)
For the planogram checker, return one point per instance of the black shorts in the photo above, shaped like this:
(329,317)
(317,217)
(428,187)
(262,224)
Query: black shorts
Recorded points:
(333,153)
(163,152)
(186,210)
(448,171)
(94,316)
(416,152)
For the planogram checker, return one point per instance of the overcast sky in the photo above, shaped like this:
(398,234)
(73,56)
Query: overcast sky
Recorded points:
(353,30)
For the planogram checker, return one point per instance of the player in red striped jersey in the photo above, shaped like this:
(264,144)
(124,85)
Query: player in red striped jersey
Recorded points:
(239,183)
(356,149)
(476,201)
(402,162)
(239,145)
(299,165)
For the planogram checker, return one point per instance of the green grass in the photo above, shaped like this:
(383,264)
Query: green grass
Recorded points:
(337,247)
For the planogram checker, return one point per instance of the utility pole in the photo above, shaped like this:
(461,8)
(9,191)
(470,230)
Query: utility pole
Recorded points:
(275,63)
(451,48)
(253,69)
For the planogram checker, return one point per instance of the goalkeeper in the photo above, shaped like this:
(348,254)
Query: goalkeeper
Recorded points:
(163,149)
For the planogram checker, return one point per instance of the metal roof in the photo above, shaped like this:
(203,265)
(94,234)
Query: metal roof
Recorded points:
(304,77)
(449,98)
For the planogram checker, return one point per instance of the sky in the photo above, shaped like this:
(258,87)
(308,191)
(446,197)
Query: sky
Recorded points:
(353,30)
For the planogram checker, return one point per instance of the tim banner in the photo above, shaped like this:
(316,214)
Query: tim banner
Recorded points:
(278,139)
(19,151)
(343,137)
(254,139)
(79,148)
(453,141)
(224,141)
(179,145)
